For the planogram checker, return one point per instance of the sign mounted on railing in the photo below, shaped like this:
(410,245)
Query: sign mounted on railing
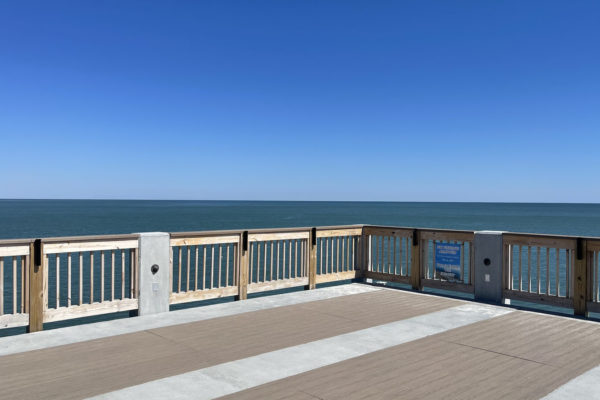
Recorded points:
(447,261)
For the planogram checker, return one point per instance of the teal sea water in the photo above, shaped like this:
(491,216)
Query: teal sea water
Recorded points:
(48,218)
(51,218)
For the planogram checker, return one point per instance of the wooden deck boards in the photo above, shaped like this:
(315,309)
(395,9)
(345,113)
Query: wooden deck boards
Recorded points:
(516,356)
(98,366)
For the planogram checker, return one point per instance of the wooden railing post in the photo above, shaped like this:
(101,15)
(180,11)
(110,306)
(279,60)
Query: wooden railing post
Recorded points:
(415,268)
(312,259)
(243,267)
(580,274)
(36,286)
(365,252)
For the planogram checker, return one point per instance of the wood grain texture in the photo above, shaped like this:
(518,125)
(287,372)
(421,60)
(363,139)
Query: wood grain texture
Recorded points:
(516,356)
(89,368)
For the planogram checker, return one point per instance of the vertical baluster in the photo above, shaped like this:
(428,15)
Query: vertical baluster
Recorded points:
(520,266)
(567,272)
(234,271)
(133,273)
(69,279)
(271,264)
(1,285)
(101,276)
(277,263)
(57,280)
(462,260)
(271,269)
(529,268)
(265,262)
(123,273)
(303,258)
(326,255)
(548,270)
(354,241)
(227,266)
(179,269)
(220,262)
(22,283)
(290,258)
(407,254)
(394,261)
(251,261)
(381,259)
(597,271)
(91,277)
(212,265)
(321,257)
(80,278)
(295,258)
(537,256)
(433,259)
(344,255)
(204,269)
(557,251)
(187,269)
(14,285)
(283,267)
(389,254)
(196,269)
(112,274)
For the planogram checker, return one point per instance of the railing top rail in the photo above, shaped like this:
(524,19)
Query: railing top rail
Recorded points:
(133,236)
(90,238)
(15,242)
(419,229)
(548,236)
(260,230)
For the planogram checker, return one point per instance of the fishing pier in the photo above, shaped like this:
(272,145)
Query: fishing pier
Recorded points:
(302,313)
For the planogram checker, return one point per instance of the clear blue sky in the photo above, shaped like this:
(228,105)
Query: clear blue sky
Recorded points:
(301,100)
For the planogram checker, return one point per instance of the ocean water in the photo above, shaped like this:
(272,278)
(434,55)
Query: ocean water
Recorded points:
(49,218)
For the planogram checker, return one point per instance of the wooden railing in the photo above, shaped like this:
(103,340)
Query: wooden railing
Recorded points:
(204,265)
(14,295)
(339,253)
(539,268)
(592,249)
(86,276)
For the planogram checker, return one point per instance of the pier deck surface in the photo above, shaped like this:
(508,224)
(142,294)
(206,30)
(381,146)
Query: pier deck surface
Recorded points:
(352,341)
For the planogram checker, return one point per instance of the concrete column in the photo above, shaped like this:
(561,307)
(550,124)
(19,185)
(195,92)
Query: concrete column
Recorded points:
(487,279)
(153,262)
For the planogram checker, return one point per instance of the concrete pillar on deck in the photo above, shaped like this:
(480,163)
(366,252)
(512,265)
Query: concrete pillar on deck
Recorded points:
(487,247)
(154,279)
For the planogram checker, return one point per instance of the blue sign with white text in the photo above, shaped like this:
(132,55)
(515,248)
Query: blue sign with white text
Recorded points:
(447,261)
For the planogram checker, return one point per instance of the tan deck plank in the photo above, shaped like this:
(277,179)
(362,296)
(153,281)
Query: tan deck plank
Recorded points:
(98,366)
(518,355)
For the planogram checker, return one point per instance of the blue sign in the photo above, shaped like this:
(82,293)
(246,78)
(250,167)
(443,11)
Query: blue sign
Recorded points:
(447,261)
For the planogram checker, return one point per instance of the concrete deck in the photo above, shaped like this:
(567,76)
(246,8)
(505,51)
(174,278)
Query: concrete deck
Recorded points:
(353,341)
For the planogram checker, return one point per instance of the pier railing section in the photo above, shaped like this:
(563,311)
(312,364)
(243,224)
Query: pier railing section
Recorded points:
(539,269)
(47,280)
(14,287)
(87,276)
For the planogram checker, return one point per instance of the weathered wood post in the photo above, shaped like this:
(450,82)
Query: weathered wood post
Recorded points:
(243,266)
(36,286)
(415,262)
(580,274)
(312,259)
(365,252)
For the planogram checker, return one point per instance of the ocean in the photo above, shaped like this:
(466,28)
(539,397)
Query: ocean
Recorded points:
(50,218)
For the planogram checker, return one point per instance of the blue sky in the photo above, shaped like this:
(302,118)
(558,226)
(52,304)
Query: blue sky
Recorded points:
(301,100)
